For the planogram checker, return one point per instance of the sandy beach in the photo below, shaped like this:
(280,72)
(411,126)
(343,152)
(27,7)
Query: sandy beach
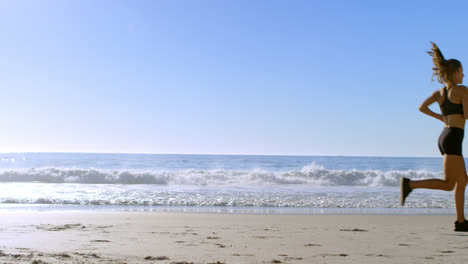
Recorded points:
(155,237)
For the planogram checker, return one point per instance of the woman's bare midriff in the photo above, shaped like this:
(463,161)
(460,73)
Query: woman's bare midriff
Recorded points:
(455,121)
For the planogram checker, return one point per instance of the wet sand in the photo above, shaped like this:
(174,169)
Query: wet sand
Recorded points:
(158,237)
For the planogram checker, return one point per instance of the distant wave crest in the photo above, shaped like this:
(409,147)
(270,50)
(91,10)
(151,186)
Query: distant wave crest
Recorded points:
(311,174)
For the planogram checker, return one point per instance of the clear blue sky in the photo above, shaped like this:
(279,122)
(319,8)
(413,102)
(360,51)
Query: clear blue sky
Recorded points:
(223,77)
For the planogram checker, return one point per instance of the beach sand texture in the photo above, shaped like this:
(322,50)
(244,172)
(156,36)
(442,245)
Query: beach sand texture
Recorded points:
(156,237)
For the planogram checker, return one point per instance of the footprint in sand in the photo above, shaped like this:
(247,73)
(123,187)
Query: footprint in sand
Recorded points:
(220,245)
(84,255)
(161,233)
(186,233)
(354,230)
(292,258)
(335,255)
(379,255)
(63,255)
(104,226)
(60,227)
(157,258)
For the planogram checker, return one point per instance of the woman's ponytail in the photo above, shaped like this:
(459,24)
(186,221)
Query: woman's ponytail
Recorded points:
(443,69)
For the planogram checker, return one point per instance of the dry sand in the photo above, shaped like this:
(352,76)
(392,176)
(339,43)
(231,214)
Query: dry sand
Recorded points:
(156,237)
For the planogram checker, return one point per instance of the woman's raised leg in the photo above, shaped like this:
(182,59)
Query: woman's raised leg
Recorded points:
(455,176)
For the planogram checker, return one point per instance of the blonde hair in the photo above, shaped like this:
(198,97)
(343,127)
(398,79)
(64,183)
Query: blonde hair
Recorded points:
(443,69)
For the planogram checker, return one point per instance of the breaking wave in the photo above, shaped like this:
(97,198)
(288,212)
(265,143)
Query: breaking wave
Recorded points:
(311,174)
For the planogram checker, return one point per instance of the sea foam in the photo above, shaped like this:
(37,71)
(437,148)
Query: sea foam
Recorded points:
(311,174)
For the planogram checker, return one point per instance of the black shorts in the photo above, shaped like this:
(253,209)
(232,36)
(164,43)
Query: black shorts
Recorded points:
(450,141)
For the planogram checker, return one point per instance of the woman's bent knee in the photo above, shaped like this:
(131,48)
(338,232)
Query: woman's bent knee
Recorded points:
(450,186)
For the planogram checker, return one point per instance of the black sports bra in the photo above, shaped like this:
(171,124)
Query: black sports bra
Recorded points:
(449,108)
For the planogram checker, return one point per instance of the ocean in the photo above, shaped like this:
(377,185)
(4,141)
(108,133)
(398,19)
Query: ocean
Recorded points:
(218,183)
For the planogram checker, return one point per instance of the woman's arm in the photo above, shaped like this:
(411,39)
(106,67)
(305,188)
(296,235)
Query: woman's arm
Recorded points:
(465,102)
(430,100)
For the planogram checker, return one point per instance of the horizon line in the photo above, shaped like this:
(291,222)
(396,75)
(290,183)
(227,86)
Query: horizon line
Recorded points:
(218,154)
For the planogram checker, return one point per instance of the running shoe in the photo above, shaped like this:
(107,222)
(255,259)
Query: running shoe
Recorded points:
(405,189)
(461,227)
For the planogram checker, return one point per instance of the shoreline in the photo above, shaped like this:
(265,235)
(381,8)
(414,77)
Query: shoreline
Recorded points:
(230,210)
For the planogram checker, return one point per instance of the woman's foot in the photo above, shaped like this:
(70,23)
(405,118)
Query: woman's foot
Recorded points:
(461,227)
(405,189)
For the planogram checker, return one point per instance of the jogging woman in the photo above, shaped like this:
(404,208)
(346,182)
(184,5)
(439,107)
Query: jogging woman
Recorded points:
(453,102)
